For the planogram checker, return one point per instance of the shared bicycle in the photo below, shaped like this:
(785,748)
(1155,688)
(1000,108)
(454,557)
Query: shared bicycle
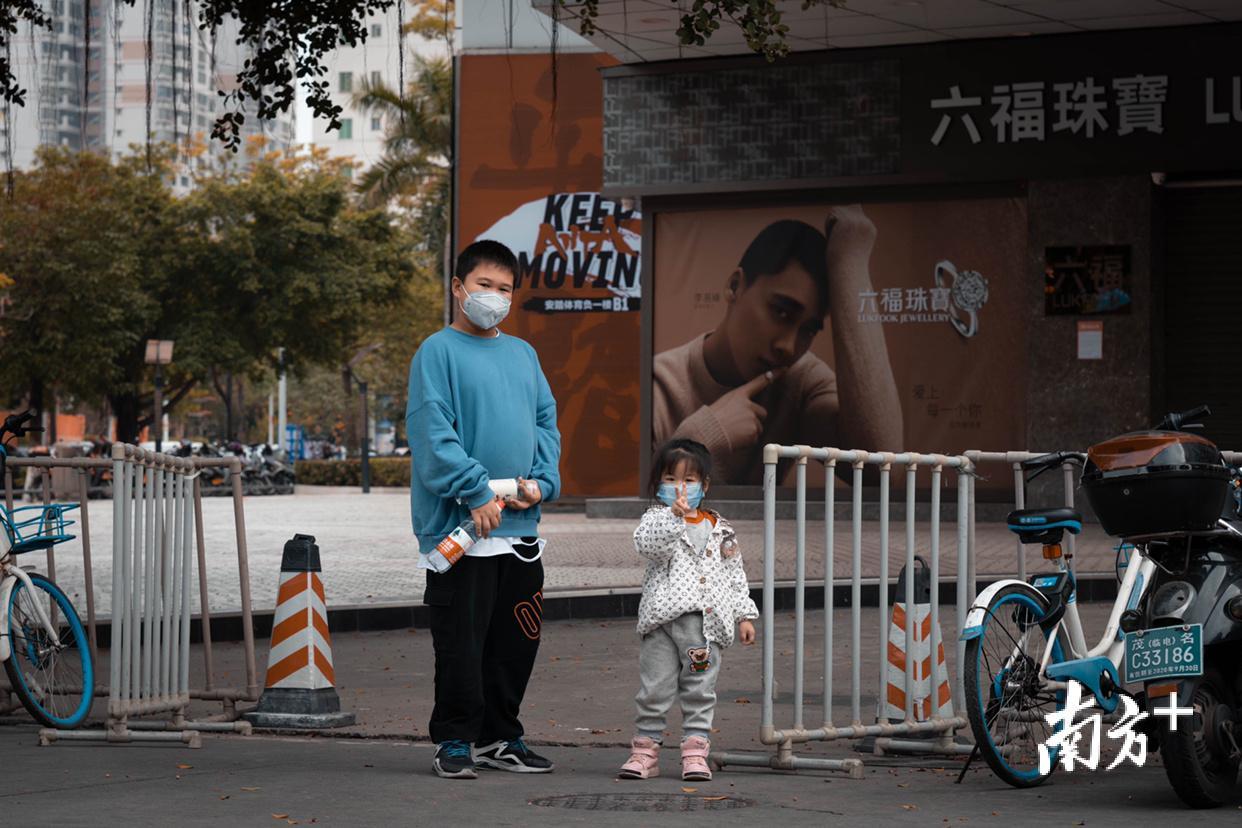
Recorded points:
(1175,626)
(43,645)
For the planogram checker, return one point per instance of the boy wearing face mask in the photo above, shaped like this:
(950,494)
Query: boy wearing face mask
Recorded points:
(480,409)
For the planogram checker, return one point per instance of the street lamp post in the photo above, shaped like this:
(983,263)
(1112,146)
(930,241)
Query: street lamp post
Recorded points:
(366,440)
(159,354)
(282,406)
(366,424)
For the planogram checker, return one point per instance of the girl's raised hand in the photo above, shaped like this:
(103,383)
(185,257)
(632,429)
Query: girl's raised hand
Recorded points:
(681,506)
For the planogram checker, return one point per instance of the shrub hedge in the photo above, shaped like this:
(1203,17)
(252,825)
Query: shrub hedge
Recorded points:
(385,471)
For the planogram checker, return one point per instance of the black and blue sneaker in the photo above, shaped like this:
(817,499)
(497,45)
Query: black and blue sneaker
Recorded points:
(454,760)
(512,756)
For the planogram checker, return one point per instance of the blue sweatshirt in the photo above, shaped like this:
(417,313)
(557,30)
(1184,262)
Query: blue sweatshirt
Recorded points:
(478,409)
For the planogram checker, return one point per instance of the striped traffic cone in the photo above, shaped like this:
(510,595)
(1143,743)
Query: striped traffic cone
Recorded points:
(300,692)
(920,650)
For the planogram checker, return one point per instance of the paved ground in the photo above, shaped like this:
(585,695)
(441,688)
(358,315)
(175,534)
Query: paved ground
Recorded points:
(369,554)
(280,781)
(579,710)
(583,685)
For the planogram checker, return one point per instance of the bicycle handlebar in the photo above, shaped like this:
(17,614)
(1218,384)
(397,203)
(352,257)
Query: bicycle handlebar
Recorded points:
(1044,462)
(1178,421)
(14,422)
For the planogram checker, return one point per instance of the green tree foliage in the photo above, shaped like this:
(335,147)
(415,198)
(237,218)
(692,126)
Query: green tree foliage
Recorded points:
(103,256)
(432,20)
(85,242)
(414,178)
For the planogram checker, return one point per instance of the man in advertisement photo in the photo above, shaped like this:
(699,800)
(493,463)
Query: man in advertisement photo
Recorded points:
(753,379)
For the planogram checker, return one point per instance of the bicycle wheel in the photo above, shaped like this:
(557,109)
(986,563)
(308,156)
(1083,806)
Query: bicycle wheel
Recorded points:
(53,677)
(1006,700)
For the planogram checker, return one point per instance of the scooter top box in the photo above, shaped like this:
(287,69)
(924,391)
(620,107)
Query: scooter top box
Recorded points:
(1156,482)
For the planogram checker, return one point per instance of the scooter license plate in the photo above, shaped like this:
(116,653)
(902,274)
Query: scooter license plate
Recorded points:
(1164,652)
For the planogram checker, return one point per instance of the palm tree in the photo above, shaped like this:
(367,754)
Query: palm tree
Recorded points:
(418,143)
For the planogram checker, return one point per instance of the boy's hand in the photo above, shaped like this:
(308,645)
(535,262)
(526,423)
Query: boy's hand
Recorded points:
(529,494)
(746,631)
(487,517)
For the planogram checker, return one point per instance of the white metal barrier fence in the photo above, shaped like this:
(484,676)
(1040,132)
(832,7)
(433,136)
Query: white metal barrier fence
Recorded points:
(83,467)
(156,518)
(888,733)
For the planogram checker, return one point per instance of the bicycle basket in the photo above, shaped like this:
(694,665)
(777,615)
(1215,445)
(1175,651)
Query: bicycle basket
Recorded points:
(37,527)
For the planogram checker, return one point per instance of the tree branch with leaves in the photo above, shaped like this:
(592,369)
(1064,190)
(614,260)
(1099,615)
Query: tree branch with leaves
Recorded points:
(289,43)
(759,20)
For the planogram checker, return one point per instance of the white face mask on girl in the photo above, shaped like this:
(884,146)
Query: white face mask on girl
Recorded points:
(485,308)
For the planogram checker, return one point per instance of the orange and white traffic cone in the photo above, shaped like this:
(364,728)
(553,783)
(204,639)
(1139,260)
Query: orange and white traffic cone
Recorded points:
(300,691)
(919,650)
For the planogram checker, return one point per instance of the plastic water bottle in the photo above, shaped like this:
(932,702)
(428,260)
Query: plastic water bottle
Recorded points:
(453,547)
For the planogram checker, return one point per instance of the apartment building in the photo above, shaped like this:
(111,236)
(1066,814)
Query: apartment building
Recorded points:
(350,68)
(188,68)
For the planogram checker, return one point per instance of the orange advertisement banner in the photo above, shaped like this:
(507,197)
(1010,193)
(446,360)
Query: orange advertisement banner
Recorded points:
(529,170)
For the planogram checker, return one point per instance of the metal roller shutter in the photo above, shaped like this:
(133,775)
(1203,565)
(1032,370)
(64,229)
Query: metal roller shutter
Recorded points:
(1203,307)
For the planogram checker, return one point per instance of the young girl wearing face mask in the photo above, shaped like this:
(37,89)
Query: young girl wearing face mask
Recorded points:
(694,597)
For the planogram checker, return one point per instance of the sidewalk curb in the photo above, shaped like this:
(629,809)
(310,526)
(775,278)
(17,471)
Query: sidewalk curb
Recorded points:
(569,605)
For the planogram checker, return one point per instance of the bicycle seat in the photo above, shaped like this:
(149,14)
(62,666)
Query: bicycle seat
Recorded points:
(1044,525)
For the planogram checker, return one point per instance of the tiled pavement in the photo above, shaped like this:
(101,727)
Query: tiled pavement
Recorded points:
(368,551)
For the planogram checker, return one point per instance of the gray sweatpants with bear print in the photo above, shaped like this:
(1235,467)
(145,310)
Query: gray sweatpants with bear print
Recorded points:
(676,662)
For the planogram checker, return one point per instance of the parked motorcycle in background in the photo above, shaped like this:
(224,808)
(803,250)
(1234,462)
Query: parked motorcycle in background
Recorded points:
(264,469)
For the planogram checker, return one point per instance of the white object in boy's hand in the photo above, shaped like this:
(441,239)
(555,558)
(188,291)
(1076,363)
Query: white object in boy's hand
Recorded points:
(516,492)
(505,488)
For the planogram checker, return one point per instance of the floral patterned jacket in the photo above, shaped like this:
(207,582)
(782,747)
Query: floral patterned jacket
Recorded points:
(680,580)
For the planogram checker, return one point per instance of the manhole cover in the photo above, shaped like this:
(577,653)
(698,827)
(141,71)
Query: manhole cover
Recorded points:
(644,802)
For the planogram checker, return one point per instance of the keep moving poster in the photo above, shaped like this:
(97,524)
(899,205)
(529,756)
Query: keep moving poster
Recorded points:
(886,326)
(529,172)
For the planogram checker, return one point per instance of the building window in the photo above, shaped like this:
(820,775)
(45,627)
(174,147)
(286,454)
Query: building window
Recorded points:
(377,78)
(347,82)
(347,129)
(376,30)
(376,125)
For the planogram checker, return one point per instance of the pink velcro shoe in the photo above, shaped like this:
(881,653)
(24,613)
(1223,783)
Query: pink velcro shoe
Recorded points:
(694,760)
(644,761)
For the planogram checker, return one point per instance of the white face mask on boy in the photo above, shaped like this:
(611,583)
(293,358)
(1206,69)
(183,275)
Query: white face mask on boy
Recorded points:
(485,308)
